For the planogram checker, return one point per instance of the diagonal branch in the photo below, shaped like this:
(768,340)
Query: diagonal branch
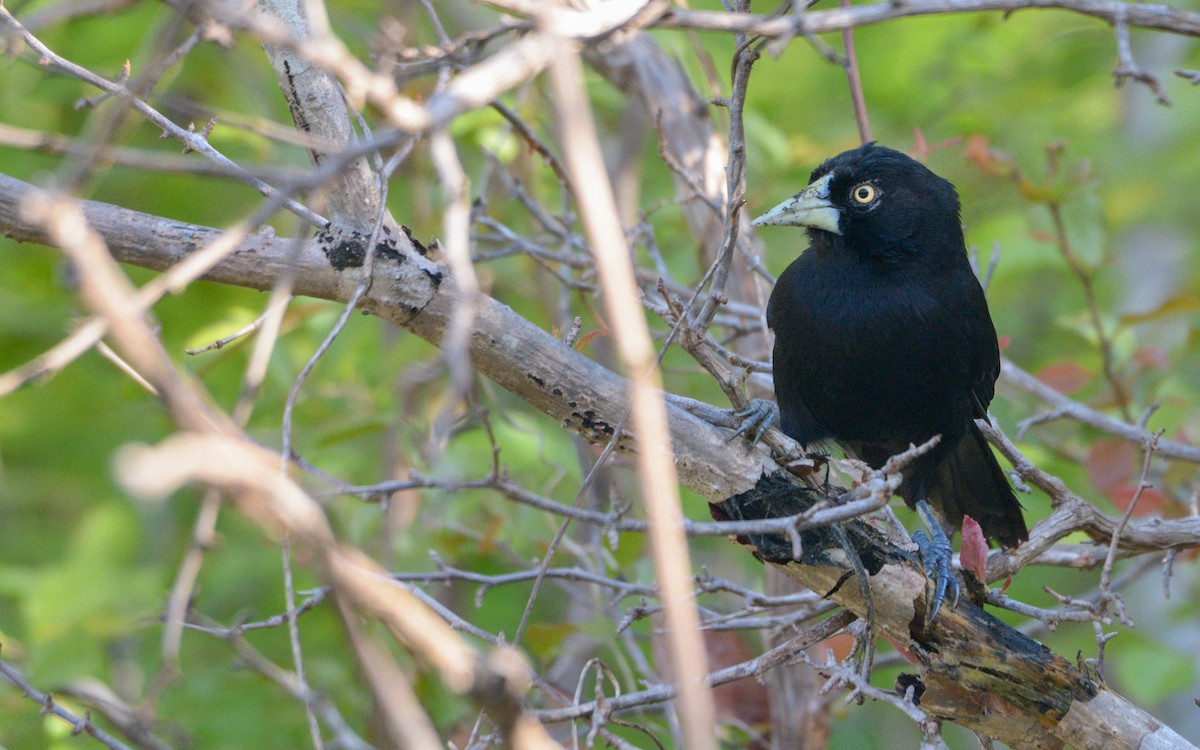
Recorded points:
(415,293)
(967,654)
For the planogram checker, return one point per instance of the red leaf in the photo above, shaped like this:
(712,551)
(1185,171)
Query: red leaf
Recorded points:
(1109,465)
(973,555)
(1004,341)
(487,541)
(1152,501)
(1065,377)
(744,700)
(986,160)
(582,343)
(1152,358)
(842,644)
(1007,583)
(908,655)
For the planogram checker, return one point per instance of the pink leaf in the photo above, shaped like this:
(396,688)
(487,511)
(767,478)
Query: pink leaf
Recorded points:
(974,549)
(1151,502)
(1152,358)
(908,655)
(1109,465)
(1065,377)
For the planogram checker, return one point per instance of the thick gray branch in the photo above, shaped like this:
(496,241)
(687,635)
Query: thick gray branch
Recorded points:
(415,293)
(318,108)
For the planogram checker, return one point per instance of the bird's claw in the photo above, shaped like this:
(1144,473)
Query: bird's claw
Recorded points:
(758,417)
(936,558)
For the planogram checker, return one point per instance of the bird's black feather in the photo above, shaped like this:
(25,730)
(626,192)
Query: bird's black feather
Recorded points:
(883,336)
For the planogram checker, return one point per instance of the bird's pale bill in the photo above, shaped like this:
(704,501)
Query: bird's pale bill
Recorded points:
(810,207)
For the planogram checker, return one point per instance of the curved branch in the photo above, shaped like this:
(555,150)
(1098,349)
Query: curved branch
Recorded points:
(1143,15)
(1064,406)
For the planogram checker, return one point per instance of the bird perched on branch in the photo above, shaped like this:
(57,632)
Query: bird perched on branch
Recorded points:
(883,340)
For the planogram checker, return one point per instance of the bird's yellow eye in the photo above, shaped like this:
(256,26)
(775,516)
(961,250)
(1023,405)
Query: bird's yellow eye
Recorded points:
(863,194)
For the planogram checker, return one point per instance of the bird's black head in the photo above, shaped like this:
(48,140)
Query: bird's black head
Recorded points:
(878,203)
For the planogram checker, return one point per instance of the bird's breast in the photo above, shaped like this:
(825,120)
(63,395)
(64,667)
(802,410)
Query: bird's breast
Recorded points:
(866,356)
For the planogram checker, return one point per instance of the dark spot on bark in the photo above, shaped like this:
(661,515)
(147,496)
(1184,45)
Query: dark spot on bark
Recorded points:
(386,248)
(298,115)
(344,250)
(424,251)
(348,249)
(536,380)
(905,681)
(591,422)
(435,277)
(558,392)
(572,404)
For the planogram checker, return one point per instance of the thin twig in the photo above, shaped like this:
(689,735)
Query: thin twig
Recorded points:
(193,141)
(79,724)
(661,693)
(850,64)
(1128,68)
(1063,406)
(1089,294)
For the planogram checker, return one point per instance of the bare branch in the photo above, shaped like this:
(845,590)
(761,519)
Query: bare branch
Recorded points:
(850,63)
(1149,16)
(1128,68)
(1062,406)
(663,693)
(79,724)
(660,491)
(192,141)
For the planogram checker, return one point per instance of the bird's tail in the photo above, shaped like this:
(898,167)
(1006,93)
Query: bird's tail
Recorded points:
(969,481)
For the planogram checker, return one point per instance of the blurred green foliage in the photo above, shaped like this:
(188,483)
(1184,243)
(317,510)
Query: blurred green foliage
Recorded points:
(85,569)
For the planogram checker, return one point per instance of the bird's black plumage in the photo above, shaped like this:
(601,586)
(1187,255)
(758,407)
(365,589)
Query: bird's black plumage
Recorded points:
(883,336)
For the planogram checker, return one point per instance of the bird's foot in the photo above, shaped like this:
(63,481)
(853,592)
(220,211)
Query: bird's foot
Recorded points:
(937,558)
(760,416)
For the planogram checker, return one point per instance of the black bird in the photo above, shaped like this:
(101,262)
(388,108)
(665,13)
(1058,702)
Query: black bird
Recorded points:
(883,339)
